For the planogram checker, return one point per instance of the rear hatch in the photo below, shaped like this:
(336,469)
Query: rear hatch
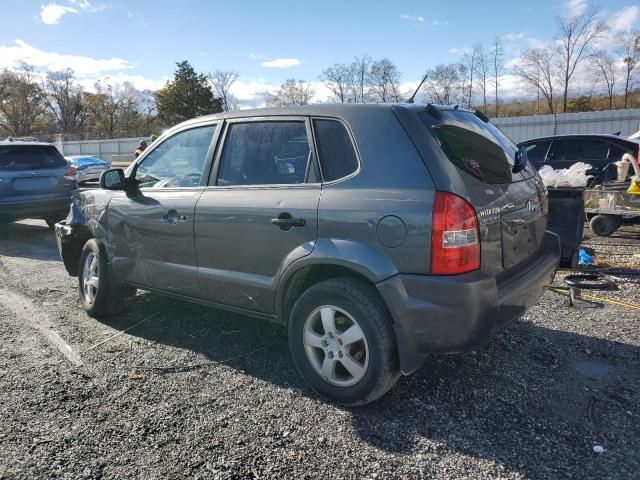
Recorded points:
(469,156)
(32,172)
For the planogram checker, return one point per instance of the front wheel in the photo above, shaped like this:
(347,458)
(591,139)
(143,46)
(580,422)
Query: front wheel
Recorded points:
(341,341)
(99,295)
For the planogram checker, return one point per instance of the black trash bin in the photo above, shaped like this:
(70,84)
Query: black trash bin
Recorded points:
(566,219)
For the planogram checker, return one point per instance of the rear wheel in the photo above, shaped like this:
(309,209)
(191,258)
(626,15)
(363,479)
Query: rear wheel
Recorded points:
(604,225)
(342,343)
(99,295)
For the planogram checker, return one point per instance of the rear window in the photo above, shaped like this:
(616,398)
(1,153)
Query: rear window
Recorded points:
(335,150)
(30,157)
(478,148)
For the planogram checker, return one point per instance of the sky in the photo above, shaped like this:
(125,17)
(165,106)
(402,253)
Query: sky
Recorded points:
(267,42)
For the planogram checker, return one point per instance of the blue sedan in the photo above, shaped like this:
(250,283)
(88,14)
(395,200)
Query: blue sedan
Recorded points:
(87,167)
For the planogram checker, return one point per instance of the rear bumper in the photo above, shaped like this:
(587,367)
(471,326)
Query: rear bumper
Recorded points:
(446,314)
(34,208)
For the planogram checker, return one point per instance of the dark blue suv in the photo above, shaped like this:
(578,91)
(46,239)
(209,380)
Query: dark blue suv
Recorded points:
(35,182)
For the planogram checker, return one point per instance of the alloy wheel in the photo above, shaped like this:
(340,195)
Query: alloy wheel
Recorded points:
(336,346)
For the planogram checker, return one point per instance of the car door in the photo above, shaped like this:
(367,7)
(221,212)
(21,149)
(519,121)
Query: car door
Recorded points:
(259,212)
(152,226)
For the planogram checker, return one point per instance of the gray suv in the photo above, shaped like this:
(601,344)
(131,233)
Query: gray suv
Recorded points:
(35,181)
(376,233)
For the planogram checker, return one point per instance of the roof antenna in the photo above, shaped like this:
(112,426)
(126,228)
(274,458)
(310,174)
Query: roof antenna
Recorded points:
(424,79)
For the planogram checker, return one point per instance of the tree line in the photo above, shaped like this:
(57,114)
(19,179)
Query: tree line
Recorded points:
(39,104)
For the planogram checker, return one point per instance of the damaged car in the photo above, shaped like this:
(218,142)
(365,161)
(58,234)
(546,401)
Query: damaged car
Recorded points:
(377,234)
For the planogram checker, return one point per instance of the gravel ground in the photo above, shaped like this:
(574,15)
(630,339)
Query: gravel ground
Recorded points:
(533,403)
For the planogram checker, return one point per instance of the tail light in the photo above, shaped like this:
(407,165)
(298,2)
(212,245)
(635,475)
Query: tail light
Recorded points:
(70,172)
(455,237)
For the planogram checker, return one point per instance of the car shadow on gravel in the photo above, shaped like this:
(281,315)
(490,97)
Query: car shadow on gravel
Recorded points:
(204,335)
(534,400)
(32,240)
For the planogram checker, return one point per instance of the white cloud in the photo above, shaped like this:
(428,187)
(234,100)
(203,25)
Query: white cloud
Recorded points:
(513,36)
(138,81)
(12,55)
(459,51)
(404,16)
(52,13)
(83,4)
(281,63)
(573,8)
(625,18)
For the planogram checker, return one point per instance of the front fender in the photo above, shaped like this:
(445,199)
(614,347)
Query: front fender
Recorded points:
(359,257)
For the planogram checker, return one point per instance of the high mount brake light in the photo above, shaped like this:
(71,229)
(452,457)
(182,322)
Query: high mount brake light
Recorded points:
(455,236)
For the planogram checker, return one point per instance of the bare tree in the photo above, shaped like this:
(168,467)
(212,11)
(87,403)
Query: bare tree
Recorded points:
(22,108)
(576,36)
(64,100)
(221,84)
(629,50)
(112,110)
(147,109)
(467,70)
(360,68)
(604,67)
(292,92)
(339,79)
(497,67)
(384,81)
(537,70)
(482,67)
(442,83)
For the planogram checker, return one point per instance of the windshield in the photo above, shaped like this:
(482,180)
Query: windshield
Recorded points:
(30,157)
(476,147)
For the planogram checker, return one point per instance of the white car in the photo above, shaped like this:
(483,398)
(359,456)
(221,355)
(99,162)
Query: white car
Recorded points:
(87,167)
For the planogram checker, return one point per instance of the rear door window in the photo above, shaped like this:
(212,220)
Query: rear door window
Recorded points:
(578,150)
(537,152)
(30,157)
(337,156)
(265,153)
(476,147)
(591,150)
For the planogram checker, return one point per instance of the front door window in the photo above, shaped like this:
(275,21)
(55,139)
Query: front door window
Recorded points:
(178,161)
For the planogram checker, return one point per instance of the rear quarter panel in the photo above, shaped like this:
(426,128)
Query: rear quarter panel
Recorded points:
(389,198)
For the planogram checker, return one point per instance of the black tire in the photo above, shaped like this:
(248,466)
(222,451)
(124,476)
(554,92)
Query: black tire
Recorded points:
(604,225)
(362,302)
(108,298)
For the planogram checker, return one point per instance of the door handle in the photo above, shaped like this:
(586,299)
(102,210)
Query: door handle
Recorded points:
(286,221)
(172,217)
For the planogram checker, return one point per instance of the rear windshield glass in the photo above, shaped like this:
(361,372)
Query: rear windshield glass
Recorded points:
(30,157)
(478,148)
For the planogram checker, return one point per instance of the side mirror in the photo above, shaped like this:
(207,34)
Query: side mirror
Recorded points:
(113,179)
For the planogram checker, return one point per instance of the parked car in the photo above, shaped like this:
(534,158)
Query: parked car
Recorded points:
(87,167)
(35,181)
(600,151)
(376,233)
